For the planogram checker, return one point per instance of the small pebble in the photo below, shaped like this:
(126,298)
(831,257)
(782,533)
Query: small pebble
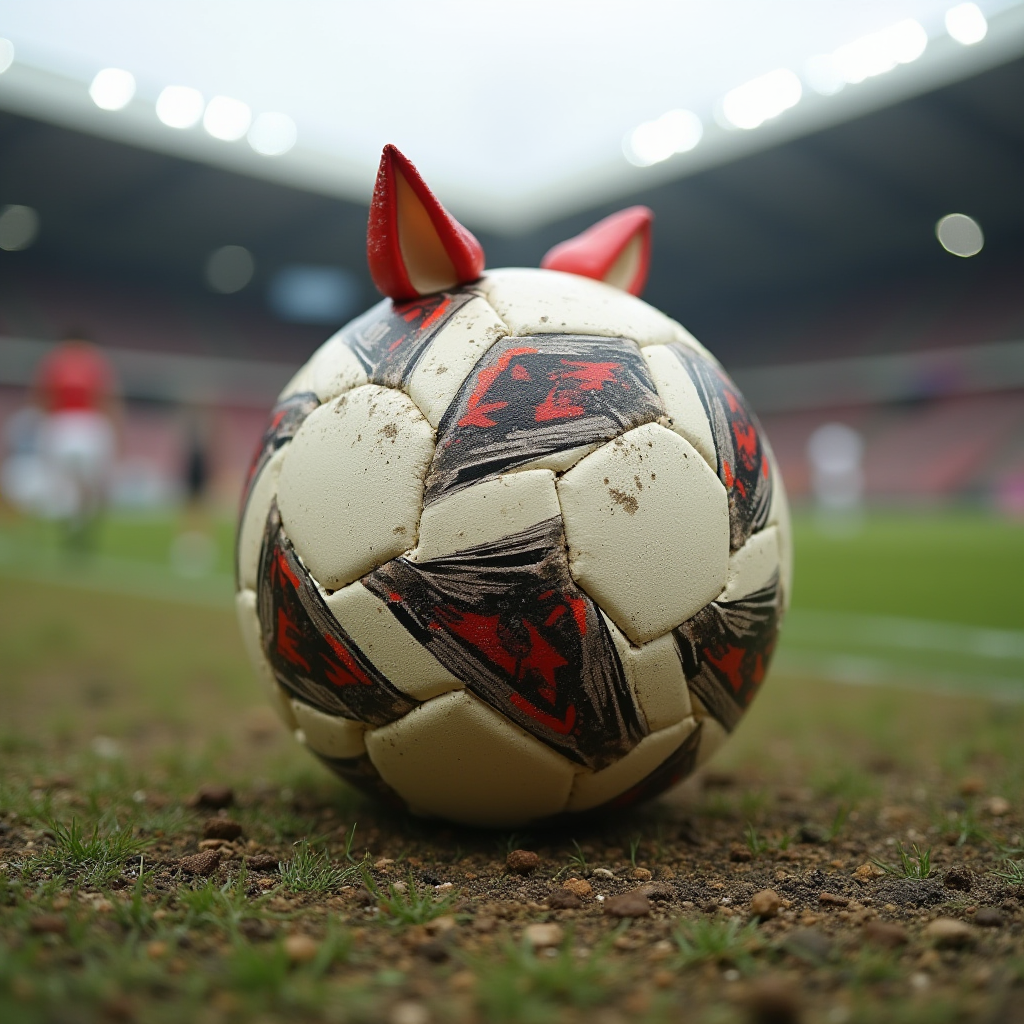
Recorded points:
(830,899)
(948,933)
(882,933)
(522,862)
(809,944)
(156,950)
(564,899)
(221,828)
(997,806)
(640,875)
(214,797)
(988,917)
(658,891)
(48,924)
(203,864)
(811,833)
(972,786)
(300,949)
(765,904)
(772,1000)
(580,886)
(262,862)
(409,1013)
(739,854)
(543,936)
(628,904)
(602,873)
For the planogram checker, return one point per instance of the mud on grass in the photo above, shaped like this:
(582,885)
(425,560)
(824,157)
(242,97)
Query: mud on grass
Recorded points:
(801,878)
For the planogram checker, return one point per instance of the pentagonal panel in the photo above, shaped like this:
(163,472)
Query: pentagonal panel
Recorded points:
(683,406)
(254,518)
(753,566)
(332,370)
(593,788)
(249,624)
(351,483)
(456,758)
(328,735)
(405,662)
(486,512)
(453,352)
(550,302)
(655,676)
(647,524)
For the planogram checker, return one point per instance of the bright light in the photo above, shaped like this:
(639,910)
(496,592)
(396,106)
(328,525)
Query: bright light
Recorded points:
(272,134)
(6,54)
(822,76)
(229,269)
(227,119)
(19,226)
(751,104)
(678,131)
(959,234)
(880,52)
(179,106)
(966,24)
(112,88)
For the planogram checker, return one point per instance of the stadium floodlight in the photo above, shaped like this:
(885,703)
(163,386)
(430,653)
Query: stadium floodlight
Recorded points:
(6,54)
(227,119)
(966,24)
(880,52)
(273,134)
(19,226)
(179,106)
(751,104)
(959,234)
(677,131)
(112,88)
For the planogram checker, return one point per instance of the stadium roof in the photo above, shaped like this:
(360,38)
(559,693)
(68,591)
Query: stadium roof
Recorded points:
(517,113)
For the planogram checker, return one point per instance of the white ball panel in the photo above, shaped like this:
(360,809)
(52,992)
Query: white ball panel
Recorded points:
(682,403)
(560,461)
(330,735)
(655,676)
(454,757)
(647,525)
(249,623)
(404,661)
(453,352)
(550,302)
(254,519)
(753,565)
(351,484)
(333,369)
(486,512)
(593,788)
(778,515)
(712,736)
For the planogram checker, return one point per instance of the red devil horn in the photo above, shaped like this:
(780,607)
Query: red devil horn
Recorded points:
(616,250)
(413,244)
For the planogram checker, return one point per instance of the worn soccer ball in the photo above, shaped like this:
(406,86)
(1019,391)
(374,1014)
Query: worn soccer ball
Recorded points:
(513,545)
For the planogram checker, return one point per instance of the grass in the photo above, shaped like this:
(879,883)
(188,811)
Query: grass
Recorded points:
(911,865)
(723,941)
(311,870)
(135,703)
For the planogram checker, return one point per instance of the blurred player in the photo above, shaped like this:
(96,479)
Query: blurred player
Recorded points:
(75,389)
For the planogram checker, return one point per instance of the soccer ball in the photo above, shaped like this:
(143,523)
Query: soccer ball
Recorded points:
(513,545)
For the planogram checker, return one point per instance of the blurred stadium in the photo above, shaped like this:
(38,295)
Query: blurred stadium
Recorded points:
(208,239)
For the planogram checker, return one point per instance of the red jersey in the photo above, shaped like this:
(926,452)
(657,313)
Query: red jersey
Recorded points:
(74,377)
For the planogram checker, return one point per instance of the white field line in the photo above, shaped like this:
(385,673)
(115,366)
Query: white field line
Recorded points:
(895,633)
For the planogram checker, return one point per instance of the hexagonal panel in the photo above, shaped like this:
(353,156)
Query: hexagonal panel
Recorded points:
(329,735)
(254,519)
(593,788)
(550,302)
(332,370)
(406,663)
(647,524)
(453,352)
(351,483)
(655,676)
(487,512)
(456,758)
(753,565)
(682,403)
